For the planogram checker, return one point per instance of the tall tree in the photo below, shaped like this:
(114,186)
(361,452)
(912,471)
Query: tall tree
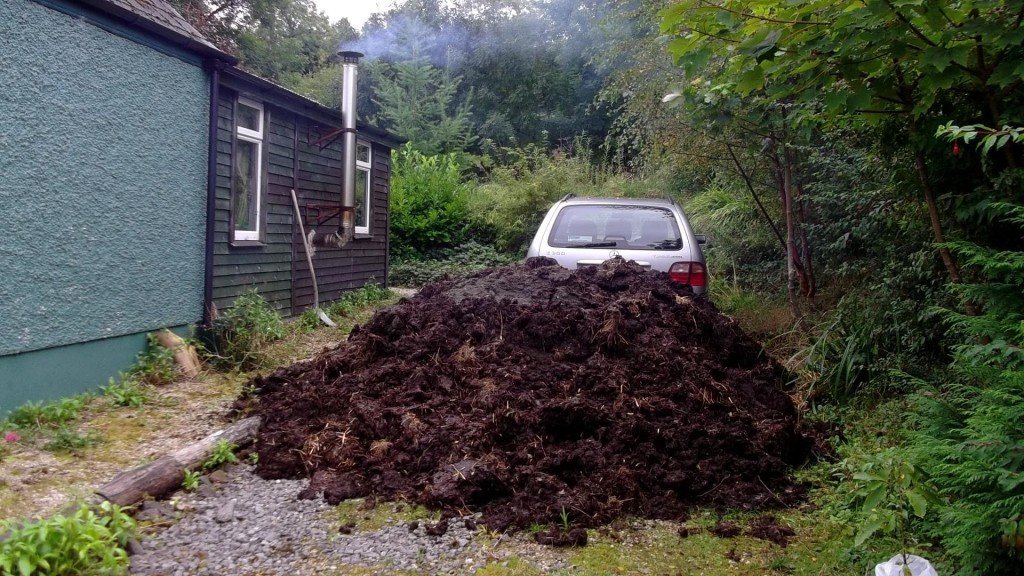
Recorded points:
(417,102)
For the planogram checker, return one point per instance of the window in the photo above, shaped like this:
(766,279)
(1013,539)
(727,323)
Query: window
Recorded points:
(247,173)
(363,188)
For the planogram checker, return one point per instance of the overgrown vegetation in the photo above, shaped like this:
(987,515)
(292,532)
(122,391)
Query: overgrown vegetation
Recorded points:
(240,335)
(86,542)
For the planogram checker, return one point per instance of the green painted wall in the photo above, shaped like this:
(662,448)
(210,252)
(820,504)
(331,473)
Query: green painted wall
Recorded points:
(102,188)
(54,373)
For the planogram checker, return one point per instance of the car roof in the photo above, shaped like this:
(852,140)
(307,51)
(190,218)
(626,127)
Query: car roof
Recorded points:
(619,201)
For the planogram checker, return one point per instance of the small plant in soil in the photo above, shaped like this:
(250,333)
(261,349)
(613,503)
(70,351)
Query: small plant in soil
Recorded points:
(893,492)
(561,535)
(254,458)
(223,453)
(155,365)
(69,441)
(125,392)
(191,481)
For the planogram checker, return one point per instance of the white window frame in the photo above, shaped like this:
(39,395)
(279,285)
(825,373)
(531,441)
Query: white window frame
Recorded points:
(254,137)
(364,227)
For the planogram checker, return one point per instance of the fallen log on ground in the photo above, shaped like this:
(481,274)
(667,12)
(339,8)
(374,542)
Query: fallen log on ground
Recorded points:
(167,473)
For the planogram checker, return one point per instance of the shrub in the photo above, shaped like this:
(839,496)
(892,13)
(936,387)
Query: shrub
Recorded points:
(972,442)
(427,201)
(86,542)
(241,334)
(507,209)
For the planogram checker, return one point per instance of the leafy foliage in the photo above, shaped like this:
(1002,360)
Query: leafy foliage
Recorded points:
(125,392)
(155,365)
(39,415)
(86,542)
(355,299)
(240,335)
(223,453)
(451,262)
(428,202)
(417,103)
(191,480)
(893,491)
(995,336)
(972,441)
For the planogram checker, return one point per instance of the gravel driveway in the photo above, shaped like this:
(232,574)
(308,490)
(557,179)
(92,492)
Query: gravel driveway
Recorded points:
(238,523)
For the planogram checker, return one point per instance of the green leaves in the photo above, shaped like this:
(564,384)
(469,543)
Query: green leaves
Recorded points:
(751,80)
(892,489)
(912,50)
(87,542)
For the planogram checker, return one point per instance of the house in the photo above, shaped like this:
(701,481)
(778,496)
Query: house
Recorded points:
(146,180)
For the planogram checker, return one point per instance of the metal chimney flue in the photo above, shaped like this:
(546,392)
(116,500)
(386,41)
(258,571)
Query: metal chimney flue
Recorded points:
(349,77)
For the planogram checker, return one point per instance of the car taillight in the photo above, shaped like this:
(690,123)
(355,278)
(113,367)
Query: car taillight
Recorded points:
(692,273)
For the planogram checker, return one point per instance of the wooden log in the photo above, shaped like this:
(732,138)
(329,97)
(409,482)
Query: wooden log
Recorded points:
(184,353)
(167,473)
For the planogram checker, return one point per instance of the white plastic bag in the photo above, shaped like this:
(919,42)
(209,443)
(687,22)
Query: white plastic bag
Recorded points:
(894,567)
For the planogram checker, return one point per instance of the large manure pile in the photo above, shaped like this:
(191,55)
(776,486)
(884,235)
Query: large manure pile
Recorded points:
(525,390)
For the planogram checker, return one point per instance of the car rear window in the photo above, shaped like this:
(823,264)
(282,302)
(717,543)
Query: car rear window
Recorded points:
(609,225)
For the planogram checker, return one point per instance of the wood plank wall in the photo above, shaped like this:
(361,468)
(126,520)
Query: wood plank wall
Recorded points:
(362,260)
(278,269)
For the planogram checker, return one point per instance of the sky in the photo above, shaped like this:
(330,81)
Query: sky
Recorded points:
(357,11)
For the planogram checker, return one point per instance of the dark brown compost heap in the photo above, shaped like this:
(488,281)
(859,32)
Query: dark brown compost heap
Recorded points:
(525,390)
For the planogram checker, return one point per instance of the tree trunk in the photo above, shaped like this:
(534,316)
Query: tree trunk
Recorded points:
(793,274)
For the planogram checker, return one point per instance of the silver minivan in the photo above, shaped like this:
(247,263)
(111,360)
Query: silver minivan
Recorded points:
(655,234)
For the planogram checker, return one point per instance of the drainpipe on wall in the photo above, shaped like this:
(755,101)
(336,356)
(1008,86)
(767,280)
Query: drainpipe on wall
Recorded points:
(346,228)
(215,66)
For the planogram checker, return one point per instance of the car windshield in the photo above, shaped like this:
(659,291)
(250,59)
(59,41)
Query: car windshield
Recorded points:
(618,226)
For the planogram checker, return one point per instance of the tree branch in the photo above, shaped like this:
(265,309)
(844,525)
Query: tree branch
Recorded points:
(766,19)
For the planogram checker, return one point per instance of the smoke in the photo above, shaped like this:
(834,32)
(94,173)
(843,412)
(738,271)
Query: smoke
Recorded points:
(447,39)
(406,37)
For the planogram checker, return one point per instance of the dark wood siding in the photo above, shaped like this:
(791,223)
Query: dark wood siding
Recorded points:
(277,268)
(266,268)
(339,270)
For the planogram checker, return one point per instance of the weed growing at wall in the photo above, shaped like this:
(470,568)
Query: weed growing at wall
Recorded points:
(241,334)
(125,392)
(86,542)
(352,301)
(155,365)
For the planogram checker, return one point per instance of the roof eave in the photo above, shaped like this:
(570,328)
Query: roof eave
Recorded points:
(172,36)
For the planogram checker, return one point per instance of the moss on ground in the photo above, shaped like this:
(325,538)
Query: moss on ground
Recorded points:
(355,513)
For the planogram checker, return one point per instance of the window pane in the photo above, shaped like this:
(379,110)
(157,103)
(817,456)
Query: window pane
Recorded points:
(362,153)
(629,227)
(245,195)
(362,193)
(248,117)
